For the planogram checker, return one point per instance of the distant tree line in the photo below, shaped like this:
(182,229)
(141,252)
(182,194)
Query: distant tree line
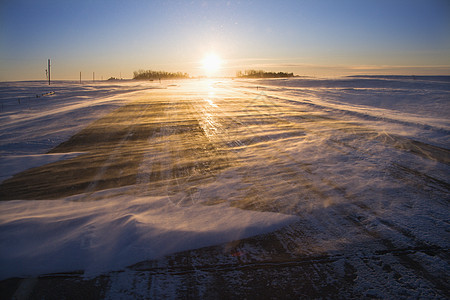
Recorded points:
(151,75)
(262,74)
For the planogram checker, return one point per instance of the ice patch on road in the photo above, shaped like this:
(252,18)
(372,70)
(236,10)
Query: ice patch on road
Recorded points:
(38,237)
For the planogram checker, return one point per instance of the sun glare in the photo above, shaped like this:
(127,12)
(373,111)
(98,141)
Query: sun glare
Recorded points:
(211,64)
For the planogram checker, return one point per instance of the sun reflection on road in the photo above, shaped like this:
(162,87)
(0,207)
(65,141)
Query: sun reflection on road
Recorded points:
(210,98)
(207,108)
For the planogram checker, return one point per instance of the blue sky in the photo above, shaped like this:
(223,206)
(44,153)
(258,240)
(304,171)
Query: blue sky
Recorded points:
(307,37)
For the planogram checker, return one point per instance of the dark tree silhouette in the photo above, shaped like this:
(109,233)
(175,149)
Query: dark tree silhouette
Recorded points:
(262,74)
(151,75)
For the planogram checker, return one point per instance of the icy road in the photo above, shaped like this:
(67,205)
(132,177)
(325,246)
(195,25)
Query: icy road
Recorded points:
(299,188)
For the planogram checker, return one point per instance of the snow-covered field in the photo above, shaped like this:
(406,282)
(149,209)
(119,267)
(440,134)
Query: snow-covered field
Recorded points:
(99,177)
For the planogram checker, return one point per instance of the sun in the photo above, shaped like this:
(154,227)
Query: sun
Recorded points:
(211,64)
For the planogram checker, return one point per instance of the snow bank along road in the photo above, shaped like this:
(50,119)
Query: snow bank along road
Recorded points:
(364,186)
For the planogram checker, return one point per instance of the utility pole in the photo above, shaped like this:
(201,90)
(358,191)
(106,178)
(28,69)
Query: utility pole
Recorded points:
(49,71)
(93,76)
(80,77)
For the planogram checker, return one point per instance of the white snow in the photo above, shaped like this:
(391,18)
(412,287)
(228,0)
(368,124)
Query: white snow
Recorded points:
(38,237)
(416,107)
(34,125)
(123,228)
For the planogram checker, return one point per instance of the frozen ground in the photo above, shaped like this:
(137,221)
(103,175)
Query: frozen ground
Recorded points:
(221,188)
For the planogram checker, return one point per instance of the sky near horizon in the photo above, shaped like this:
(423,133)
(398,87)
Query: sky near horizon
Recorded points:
(307,37)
